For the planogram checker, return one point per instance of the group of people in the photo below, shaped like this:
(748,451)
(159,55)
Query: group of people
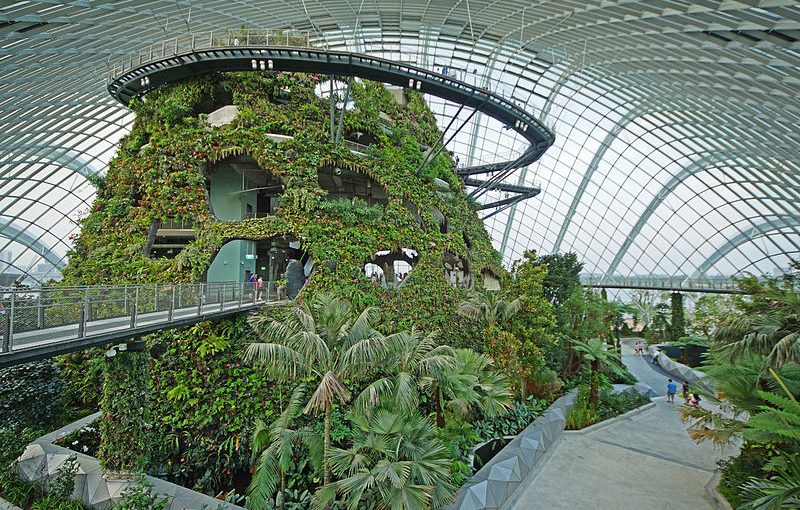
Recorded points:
(257,285)
(638,350)
(672,388)
(688,398)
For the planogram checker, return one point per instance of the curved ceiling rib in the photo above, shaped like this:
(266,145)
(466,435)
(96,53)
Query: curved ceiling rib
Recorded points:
(757,230)
(9,230)
(698,166)
(619,127)
(643,95)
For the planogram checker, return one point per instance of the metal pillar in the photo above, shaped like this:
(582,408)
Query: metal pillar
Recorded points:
(338,137)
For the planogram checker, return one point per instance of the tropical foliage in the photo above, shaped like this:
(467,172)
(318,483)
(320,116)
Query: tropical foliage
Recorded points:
(278,447)
(398,382)
(775,332)
(598,355)
(321,341)
(754,371)
(395,461)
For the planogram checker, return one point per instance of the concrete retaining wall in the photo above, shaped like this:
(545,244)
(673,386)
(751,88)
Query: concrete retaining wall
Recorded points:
(681,372)
(495,482)
(42,459)
(5,505)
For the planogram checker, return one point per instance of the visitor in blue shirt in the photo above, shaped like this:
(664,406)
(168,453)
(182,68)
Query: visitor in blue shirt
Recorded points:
(671,388)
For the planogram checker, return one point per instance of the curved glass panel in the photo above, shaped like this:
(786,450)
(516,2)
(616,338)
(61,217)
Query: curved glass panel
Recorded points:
(676,121)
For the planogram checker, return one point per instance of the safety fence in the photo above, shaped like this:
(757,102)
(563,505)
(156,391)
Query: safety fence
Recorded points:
(32,317)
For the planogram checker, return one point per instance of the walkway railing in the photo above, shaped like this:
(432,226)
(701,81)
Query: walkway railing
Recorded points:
(38,318)
(212,39)
(721,286)
(229,42)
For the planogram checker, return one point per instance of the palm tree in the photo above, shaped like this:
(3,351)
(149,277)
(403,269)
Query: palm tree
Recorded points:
(276,445)
(596,352)
(323,341)
(470,382)
(395,460)
(489,307)
(775,334)
(414,357)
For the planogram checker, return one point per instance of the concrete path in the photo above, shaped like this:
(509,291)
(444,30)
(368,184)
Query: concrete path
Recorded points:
(646,461)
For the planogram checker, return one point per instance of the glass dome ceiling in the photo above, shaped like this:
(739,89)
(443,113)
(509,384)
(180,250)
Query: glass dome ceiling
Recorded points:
(677,122)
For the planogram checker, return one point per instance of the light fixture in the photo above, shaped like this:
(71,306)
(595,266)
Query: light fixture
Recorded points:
(269,64)
(254,64)
(110,353)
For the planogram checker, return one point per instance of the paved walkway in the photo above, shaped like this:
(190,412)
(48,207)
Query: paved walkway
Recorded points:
(646,462)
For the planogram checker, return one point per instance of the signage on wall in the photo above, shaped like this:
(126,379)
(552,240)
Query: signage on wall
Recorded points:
(249,256)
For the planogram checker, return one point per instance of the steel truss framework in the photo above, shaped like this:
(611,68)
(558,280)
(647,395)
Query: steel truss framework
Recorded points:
(677,122)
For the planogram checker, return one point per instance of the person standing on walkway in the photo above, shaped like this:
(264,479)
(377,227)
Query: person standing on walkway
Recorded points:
(671,388)
(685,392)
(655,356)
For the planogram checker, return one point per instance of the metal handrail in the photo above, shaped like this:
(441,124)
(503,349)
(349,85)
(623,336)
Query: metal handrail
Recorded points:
(657,283)
(212,39)
(187,43)
(34,317)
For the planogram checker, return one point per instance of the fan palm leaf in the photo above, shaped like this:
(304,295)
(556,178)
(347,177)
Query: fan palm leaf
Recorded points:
(323,340)
(775,334)
(396,460)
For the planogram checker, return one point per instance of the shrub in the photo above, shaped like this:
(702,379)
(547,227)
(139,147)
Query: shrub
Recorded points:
(581,416)
(582,413)
(735,471)
(544,384)
(613,404)
(139,496)
(513,422)
(31,394)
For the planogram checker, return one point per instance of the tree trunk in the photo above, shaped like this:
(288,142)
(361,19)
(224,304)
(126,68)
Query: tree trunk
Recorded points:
(571,363)
(593,389)
(151,237)
(326,473)
(283,488)
(438,404)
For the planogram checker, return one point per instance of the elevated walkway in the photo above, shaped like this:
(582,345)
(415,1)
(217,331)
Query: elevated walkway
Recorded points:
(44,322)
(199,54)
(708,286)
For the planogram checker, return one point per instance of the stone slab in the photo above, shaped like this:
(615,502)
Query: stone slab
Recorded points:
(222,116)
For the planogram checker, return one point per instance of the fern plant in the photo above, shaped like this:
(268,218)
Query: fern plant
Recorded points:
(779,491)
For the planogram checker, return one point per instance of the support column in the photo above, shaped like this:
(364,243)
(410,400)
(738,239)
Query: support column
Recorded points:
(125,411)
(678,322)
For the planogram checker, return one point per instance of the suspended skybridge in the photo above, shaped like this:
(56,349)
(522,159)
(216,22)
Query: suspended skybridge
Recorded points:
(39,323)
(188,55)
